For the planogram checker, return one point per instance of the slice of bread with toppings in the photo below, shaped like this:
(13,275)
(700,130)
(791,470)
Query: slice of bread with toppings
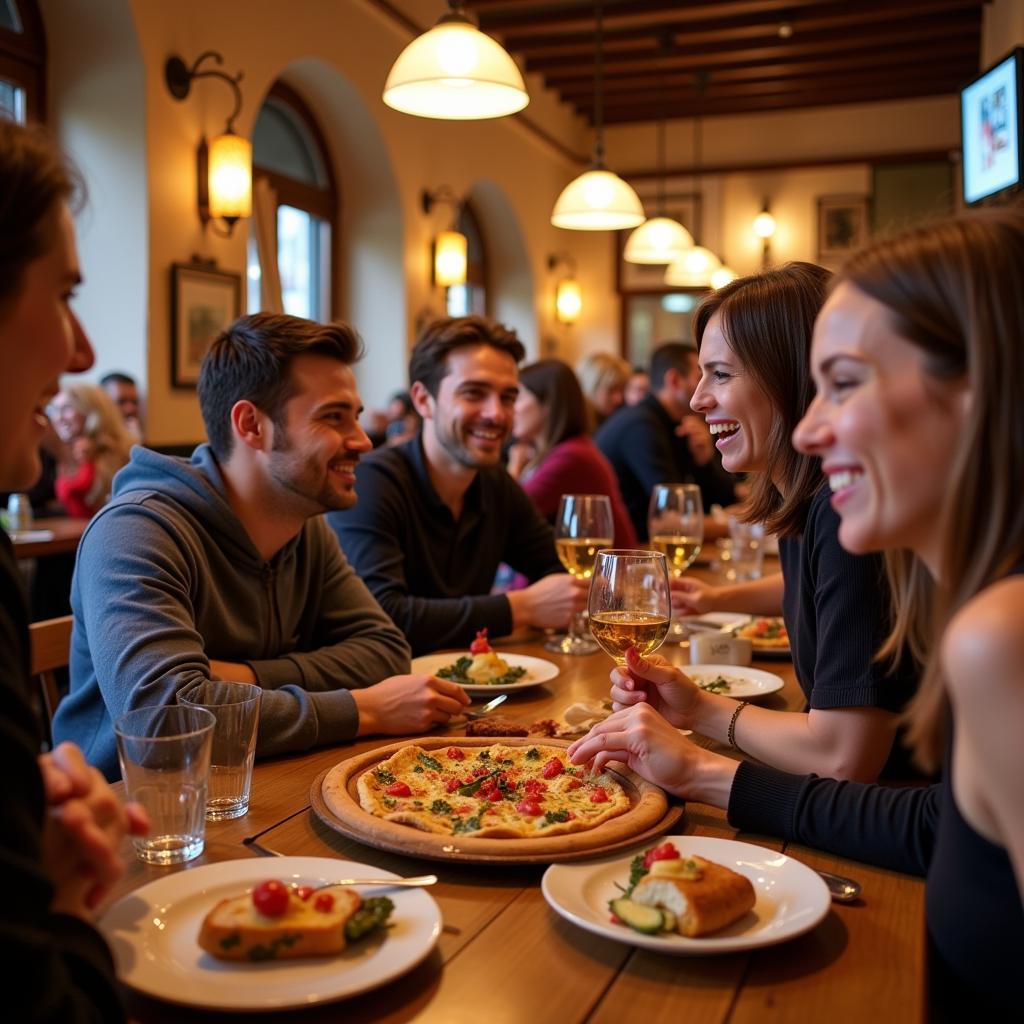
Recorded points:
(702,895)
(312,924)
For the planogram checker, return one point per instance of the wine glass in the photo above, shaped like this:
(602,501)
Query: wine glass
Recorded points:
(582,528)
(630,604)
(675,526)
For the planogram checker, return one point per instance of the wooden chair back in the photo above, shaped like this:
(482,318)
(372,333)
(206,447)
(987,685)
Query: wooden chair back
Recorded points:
(50,649)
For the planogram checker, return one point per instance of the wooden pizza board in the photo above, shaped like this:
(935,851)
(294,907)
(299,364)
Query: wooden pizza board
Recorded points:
(649,815)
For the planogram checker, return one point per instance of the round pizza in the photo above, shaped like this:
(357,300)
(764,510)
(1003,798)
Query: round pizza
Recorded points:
(766,632)
(494,792)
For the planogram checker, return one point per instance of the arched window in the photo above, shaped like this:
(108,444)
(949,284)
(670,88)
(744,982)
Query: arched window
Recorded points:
(289,152)
(22,61)
(471,297)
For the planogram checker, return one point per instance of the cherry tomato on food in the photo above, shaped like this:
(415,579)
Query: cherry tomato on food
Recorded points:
(324,903)
(398,789)
(270,898)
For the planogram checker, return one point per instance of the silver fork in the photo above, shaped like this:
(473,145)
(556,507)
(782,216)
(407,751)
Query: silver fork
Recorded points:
(487,708)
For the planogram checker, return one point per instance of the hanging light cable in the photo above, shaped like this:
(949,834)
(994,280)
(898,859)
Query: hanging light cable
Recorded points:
(598,200)
(660,239)
(694,268)
(455,72)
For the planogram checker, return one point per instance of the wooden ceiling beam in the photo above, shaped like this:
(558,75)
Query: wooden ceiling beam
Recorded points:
(702,58)
(870,18)
(616,114)
(960,50)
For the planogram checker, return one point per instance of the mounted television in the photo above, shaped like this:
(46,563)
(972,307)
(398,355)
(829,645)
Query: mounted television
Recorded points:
(991,108)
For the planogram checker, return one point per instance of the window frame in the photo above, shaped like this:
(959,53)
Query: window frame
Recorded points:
(23,58)
(323,203)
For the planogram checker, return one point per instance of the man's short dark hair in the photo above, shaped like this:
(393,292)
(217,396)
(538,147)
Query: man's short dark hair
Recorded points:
(251,361)
(117,377)
(428,361)
(672,355)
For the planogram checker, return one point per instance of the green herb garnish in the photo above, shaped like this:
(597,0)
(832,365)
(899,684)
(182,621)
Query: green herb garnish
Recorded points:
(441,807)
(470,788)
(551,817)
(383,776)
(372,914)
(465,825)
(428,762)
(533,754)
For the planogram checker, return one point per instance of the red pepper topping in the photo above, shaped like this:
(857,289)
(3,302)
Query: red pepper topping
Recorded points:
(533,787)
(455,754)
(451,785)
(599,796)
(553,769)
(324,903)
(398,789)
(304,892)
(574,784)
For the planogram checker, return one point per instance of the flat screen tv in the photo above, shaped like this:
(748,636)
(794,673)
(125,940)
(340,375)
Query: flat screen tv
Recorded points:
(990,129)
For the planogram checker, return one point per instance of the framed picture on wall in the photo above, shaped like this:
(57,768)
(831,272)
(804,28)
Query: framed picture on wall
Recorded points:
(204,300)
(843,226)
(684,207)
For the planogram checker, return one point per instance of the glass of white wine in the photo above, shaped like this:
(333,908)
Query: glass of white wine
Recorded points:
(630,605)
(584,525)
(675,526)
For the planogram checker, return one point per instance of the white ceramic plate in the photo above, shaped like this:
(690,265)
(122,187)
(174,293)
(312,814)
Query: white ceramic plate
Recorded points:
(537,671)
(791,898)
(747,683)
(153,932)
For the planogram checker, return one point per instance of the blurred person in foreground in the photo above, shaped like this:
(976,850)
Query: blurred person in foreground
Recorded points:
(62,825)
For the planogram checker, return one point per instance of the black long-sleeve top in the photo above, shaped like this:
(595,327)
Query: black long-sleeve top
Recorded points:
(641,443)
(973,905)
(61,968)
(430,572)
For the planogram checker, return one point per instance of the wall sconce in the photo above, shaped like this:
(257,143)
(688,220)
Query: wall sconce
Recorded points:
(764,228)
(451,247)
(224,166)
(568,294)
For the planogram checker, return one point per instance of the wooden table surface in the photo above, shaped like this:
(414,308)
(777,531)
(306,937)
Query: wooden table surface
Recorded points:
(65,535)
(505,957)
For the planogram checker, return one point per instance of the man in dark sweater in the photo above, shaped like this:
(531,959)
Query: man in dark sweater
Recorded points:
(439,513)
(659,440)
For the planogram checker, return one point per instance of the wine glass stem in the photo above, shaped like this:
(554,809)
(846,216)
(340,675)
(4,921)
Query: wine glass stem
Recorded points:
(577,626)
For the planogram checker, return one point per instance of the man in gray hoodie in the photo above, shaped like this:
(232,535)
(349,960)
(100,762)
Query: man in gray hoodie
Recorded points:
(222,566)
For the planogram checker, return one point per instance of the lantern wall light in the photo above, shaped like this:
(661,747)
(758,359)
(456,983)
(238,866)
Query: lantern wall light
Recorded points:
(568,294)
(224,165)
(450,247)
(764,228)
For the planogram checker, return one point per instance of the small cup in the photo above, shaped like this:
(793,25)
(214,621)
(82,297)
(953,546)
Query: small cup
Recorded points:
(720,649)
(165,761)
(236,708)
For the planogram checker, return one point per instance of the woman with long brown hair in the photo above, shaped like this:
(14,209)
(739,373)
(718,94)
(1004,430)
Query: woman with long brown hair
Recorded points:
(917,357)
(553,453)
(62,824)
(754,337)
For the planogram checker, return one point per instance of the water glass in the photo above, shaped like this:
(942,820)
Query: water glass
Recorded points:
(738,560)
(236,709)
(165,762)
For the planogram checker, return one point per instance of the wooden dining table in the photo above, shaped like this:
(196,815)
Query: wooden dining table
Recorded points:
(505,957)
(56,535)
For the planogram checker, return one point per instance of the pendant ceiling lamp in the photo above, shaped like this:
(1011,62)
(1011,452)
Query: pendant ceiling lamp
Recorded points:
(660,239)
(598,200)
(693,269)
(455,72)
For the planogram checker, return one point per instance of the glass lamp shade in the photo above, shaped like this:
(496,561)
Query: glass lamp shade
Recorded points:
(455,72)
(597,200)
(693,269)
(722,276)
(450,249)
(658,240)
(764,225)
(568,301)
(229,177)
